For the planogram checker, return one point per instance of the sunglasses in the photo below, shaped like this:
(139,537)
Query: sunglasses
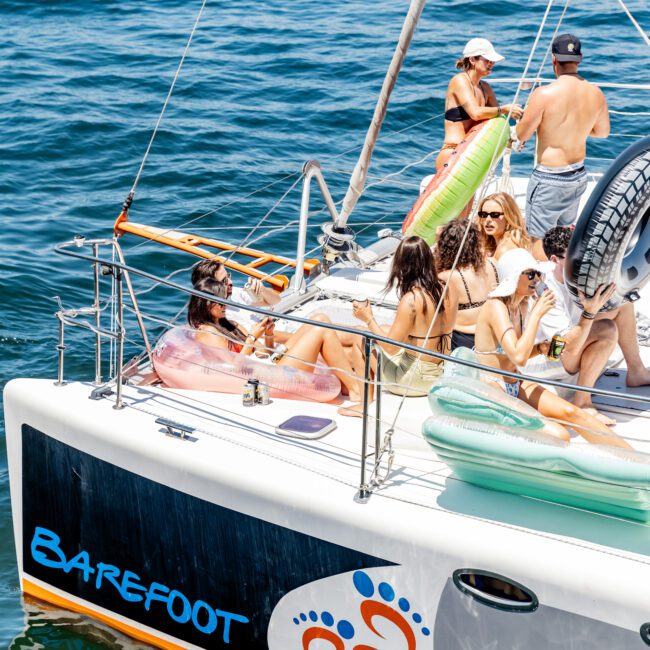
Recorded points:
(493,215)
(531,275)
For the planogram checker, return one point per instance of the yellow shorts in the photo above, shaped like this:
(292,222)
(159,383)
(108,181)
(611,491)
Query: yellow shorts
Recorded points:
(405,374)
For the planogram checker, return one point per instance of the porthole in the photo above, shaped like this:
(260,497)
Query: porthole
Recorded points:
(645,633)
(495,590)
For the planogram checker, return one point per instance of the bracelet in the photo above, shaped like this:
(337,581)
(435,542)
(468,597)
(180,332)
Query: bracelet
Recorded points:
(588,315)
(498,110)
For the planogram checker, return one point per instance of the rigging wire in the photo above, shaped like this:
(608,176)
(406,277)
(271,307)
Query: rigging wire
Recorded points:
(280,180)
(644,36)
(385,179)
(470,220)
(263,219)
(218,209)
(548,51)
(169,94)
(293,222)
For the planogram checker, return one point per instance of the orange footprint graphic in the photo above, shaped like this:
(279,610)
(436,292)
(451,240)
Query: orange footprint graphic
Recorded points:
(323,625)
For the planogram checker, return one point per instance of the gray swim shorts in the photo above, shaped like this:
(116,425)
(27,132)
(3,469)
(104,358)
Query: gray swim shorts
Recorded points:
(553,199)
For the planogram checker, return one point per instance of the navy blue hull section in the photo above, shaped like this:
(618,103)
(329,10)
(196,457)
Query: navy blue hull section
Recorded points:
(186,567)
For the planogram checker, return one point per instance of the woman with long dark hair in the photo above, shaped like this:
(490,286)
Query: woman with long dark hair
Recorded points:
(303,347)
(423,318)
(473,277)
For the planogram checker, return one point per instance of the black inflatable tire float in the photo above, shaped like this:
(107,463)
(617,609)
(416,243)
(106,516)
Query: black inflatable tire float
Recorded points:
(611,240)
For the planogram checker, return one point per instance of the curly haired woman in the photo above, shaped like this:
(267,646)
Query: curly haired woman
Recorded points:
(472,279)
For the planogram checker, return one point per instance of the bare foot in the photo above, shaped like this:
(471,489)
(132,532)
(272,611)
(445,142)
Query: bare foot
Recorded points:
(601,417)
(355,411)
(639,377)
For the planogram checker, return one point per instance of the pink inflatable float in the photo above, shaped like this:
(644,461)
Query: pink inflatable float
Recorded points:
(182,362)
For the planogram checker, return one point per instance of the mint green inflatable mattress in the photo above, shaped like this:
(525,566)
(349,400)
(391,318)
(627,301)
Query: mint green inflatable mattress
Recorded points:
(494,441)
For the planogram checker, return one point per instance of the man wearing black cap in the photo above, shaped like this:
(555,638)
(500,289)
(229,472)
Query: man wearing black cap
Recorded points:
(563,114)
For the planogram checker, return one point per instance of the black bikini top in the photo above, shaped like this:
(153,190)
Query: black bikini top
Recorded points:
(458,113)
(472,305)
(444,344)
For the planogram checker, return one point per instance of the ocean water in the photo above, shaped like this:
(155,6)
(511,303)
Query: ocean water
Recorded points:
(265,87)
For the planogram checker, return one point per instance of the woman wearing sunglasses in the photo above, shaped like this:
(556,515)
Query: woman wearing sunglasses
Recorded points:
(470,100)
(302,350)
(502,225)
(505,339)
(473,277)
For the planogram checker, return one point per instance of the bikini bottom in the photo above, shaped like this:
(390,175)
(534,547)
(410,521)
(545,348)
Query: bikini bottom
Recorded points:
(461,340)
(510,388)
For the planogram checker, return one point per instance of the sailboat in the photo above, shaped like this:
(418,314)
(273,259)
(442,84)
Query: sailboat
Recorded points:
(187,519)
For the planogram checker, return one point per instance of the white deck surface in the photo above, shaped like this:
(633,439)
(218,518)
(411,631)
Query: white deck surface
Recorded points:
(417,478)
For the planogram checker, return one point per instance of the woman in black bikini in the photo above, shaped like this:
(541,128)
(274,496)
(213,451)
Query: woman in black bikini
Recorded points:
(469,99)
(473,278)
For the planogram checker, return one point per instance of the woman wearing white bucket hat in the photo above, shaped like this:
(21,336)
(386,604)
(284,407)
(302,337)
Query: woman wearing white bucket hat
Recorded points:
(505,339)
(469,99)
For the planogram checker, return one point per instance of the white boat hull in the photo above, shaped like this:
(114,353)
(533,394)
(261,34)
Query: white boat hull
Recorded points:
(235,538)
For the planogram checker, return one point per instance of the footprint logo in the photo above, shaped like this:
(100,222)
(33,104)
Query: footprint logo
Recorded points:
(323,627)
(380,602)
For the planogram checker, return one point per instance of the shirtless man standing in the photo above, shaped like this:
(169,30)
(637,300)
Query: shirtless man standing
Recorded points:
(564,114)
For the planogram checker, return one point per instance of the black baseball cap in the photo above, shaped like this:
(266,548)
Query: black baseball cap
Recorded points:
(567,48)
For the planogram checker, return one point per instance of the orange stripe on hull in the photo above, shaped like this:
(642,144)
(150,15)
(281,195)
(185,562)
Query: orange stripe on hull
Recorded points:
(43,594)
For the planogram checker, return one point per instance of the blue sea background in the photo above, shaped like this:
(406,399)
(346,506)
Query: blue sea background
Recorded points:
(265,87)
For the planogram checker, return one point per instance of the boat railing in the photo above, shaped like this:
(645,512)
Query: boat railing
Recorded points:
(527,83)
(121,273)
(311,169)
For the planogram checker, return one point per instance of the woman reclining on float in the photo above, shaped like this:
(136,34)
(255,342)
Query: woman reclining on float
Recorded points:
(505,339)
(214,329)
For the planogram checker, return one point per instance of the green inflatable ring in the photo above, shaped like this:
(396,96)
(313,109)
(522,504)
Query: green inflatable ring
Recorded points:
(451,189)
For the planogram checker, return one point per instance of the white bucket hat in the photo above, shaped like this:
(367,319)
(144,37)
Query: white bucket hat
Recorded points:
(481,47)
(510,267)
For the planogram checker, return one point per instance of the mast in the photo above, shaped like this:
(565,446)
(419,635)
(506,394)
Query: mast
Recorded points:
(358,178)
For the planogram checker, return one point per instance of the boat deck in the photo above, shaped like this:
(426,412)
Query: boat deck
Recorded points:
(417,476)
(329,467)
